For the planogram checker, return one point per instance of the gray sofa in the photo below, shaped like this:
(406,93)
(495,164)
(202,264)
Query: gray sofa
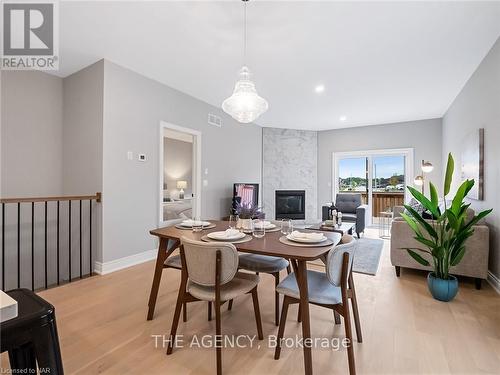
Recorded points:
(474,263)
(352,210)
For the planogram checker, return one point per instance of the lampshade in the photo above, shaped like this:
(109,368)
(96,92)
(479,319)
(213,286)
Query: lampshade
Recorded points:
(245,105)
(427,166)
(181,184)
(419,180)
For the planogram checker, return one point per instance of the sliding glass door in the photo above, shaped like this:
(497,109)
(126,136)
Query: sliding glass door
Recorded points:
(379,176)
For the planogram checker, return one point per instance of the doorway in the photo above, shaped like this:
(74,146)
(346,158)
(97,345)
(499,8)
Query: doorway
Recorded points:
(179,174)
(380,176)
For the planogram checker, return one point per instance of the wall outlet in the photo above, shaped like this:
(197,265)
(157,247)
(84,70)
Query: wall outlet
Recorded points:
(142,157)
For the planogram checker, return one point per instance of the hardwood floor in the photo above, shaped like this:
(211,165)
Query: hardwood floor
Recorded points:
(103,328)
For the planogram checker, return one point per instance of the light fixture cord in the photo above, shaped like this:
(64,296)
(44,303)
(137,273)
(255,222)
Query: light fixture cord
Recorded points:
(245,32)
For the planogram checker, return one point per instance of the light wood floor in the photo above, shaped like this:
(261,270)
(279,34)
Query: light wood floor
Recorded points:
(103,328)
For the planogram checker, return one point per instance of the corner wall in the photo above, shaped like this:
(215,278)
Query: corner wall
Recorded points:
(478,106)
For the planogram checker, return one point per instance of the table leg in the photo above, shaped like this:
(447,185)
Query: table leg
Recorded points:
(300,268)
(164,251)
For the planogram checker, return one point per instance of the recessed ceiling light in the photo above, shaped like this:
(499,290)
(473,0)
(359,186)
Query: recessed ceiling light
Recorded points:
(319,89)
(343,118)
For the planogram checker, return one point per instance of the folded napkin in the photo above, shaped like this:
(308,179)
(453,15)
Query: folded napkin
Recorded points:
(192,222)
(307,236)
(266,223)
(231,232)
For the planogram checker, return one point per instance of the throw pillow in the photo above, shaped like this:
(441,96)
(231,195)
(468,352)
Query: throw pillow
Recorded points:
(416,205)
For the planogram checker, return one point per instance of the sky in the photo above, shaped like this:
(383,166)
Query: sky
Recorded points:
(386,166)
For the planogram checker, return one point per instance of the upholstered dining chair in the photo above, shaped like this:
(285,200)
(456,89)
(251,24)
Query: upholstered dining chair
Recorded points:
(331,289)
(266,264)
(210,273)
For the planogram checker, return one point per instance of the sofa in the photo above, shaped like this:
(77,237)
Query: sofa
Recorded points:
(352,210)
(474,263)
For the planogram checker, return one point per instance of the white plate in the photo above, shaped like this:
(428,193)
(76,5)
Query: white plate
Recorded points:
(222,236)
(305,240)
(270,226)
(190,225)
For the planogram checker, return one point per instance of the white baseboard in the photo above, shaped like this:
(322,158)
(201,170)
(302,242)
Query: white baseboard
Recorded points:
(494,281)
(102,268)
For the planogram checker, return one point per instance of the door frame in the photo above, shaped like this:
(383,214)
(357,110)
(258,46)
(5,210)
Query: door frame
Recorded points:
(196,208)
(408,153)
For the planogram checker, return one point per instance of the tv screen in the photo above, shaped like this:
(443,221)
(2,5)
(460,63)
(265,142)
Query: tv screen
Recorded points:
(248,193)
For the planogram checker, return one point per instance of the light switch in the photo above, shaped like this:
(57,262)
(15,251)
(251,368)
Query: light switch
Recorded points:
(130,155)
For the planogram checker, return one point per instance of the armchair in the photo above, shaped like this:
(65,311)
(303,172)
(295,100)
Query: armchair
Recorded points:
(352,209)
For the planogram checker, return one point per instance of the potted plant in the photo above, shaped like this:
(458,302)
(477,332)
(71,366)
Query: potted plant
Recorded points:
(442,237)
(246,214)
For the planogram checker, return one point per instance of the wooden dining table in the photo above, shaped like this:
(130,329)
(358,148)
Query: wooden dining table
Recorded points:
(170,238)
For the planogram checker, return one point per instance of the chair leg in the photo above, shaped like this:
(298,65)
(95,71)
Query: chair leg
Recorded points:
(276,299)
(256,310)
(218,334)
(299,315)
(288,269)
(281,330)
(336,317)
(175,321)
(477,282)
(348,335)
(355,311)
(209,311)
(398,270)
(230,305)
(184,312)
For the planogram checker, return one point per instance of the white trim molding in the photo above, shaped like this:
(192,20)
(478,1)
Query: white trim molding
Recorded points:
(103,268)
(494,281)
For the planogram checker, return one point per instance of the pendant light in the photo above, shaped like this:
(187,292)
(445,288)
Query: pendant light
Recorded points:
(245,105)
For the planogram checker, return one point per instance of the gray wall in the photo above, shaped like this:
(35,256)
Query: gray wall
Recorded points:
(177,165)
(133,108)
(478,106)
(289,163)
(31,134)
(424,136)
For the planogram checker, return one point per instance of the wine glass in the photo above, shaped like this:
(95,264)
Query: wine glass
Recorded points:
(258,228)
(233,221)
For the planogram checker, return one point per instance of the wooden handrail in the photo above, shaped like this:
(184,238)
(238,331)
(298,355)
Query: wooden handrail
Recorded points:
(97,198)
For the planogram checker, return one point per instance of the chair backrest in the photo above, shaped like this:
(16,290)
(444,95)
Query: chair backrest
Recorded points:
(348,202)
(201,261)
(335,259)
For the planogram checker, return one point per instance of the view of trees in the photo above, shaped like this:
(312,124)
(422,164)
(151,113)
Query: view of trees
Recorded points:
(394,183)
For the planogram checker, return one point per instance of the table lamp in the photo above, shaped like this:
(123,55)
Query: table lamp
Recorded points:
(181,184)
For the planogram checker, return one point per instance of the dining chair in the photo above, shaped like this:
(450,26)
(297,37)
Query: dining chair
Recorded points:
(266,264)
(210,273)
(331,289)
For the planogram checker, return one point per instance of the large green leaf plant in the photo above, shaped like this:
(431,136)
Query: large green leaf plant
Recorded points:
(443,237)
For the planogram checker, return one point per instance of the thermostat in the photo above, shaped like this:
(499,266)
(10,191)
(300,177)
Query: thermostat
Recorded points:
(142,157)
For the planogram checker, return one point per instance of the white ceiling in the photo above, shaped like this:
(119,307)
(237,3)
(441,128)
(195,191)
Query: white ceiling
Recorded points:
(380,62)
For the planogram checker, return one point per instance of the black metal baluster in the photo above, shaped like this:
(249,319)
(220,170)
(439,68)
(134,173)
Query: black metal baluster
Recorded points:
(18,244)
(69,239)
(80,238)
(45,239)
(32,245)
(58,204)
(3,246)
(90,236)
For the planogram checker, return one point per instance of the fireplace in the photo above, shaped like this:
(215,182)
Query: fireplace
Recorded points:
(290,204)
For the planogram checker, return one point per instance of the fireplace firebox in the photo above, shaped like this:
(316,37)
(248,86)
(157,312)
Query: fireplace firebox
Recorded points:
(290,204)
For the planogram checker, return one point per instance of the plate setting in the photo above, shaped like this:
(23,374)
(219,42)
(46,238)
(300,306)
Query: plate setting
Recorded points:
(226,235)
(306,237)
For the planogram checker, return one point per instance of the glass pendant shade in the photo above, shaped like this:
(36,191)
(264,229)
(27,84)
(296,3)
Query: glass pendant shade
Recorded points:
(419,180)
(245,105)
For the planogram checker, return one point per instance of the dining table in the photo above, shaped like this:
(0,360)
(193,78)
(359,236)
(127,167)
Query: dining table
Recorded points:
(170,239)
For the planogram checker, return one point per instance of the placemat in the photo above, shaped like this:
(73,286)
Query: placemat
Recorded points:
(244,239)
(286,241)
(178,226)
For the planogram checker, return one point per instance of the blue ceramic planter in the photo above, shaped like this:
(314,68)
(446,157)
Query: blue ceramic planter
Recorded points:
(442,290)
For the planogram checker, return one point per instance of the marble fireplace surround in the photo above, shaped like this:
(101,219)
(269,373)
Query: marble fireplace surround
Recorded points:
(289,162)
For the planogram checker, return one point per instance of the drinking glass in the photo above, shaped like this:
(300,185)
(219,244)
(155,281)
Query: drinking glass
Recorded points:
(197,224)
(258,228)
(286,226)
(233,221)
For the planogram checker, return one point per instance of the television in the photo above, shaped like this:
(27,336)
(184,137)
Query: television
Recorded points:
(245,194)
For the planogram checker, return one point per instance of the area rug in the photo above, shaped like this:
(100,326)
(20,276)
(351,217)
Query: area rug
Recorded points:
(367,256)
